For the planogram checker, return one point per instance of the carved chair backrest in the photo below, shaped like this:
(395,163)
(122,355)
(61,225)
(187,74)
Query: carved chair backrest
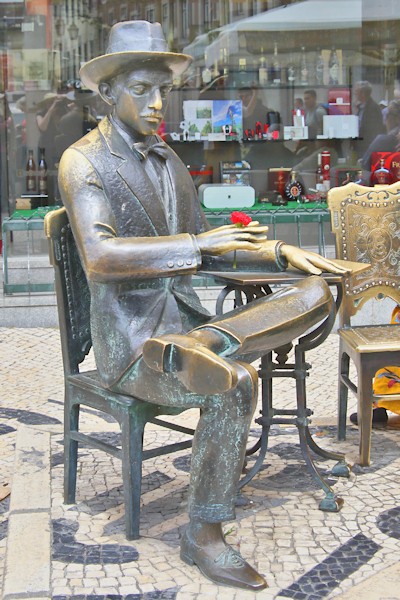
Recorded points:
(72,291)
(366,225)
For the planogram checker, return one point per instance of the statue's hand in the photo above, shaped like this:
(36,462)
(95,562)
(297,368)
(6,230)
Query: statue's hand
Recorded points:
(229,238)
(310,262)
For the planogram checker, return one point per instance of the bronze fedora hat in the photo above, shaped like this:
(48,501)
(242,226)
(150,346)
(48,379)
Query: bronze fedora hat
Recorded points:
(130,44)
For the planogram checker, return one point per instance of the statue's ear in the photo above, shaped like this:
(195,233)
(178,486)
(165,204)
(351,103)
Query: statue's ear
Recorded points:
(105,93)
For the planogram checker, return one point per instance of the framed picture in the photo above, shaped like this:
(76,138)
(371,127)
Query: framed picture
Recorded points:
(344,176)
(235,173)
(205,117)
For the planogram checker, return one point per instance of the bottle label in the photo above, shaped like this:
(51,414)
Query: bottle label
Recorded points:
(43,185)
(30,183)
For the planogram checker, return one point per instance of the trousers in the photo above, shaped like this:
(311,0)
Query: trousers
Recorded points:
(219,443)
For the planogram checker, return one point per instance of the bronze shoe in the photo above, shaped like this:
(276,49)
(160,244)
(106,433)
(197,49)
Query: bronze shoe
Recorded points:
(229,568)
(199,369)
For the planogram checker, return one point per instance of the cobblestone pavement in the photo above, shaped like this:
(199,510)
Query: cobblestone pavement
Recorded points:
(303,552)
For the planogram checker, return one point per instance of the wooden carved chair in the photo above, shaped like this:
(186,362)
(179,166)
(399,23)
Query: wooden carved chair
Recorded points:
(83,388)
(366,224)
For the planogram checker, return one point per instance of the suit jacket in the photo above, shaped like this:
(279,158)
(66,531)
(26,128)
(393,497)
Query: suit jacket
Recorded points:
(138,260)
(371,125)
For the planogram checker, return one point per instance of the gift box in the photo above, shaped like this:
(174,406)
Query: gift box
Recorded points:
(391,162)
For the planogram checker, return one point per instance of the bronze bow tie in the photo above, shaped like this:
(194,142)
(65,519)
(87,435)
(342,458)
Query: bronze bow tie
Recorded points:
(142,149)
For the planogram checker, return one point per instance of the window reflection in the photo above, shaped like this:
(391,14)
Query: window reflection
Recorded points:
(265,54)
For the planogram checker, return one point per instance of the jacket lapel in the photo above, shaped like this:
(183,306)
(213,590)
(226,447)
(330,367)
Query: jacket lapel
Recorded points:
(135,177)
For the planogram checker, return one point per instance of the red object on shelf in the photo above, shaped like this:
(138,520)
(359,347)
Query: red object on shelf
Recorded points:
(391,161)
(326,165)
(339,102)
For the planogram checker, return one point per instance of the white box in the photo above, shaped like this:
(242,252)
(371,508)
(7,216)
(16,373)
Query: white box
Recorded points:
(216,195)
(341,126)
(291,132)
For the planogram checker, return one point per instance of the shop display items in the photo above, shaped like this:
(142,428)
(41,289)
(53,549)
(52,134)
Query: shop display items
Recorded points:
(381,176)
(294,189)
(42,173)
(31,181)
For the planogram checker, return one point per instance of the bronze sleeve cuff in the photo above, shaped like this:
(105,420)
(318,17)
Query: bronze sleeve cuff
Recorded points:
(280,259)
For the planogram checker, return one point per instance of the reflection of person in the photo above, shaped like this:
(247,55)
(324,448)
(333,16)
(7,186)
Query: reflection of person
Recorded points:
(254,110)
(369,115)
(385,142)
(298,104)
(141,233)
(313,114)
(50,110)
(78,121)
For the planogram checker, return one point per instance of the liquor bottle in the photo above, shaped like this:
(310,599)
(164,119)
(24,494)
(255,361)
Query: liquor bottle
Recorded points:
(206,75)
(381,176)
(303,67)
(42,174)
(262,70)
(276,67)
(359,179)
(319,68)
(293,188)
(31,183)
(326,168)
(197,84)
(224,62)
(215,72)
(333,68)
(291,71)
(319,179)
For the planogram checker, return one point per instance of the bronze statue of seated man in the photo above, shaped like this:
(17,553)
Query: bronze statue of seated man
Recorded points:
(141,234)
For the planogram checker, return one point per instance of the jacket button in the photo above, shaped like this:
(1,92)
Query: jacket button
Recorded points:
(189,261)
(180,263)
(170,264)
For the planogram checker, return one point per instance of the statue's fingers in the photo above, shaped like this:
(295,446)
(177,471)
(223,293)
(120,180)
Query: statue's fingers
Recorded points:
(327,265)
(248,246)
(257,237)
(314,270)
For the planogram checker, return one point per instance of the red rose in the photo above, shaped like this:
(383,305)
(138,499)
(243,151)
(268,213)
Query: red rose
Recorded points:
(240,219)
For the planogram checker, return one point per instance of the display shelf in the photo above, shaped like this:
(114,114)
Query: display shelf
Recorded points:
(29,221)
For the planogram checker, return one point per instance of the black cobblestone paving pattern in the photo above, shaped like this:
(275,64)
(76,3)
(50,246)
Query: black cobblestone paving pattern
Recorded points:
(4,429)
(340,564)
(389,522)
(169,594)
(66,549)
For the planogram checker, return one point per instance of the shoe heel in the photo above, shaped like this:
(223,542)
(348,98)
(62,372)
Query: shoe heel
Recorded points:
(187,559)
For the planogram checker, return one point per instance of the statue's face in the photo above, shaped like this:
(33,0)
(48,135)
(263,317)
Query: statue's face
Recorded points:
(140,98)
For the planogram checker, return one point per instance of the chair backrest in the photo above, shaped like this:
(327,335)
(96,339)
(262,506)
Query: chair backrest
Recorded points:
(72,291)
(366,225)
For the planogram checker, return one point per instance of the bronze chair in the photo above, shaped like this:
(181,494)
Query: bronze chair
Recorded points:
(83,388)
(366,224)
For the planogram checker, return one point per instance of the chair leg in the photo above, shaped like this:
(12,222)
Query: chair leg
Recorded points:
(71,423)
(364,412)
(330,503)
(132,430)
(344,367)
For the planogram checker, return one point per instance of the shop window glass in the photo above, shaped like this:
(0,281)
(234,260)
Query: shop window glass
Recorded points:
(297,73)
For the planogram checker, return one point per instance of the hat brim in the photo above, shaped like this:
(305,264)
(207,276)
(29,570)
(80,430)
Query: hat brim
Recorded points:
(107,66)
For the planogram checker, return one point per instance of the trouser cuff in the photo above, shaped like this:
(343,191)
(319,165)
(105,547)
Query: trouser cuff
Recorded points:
(211,513)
